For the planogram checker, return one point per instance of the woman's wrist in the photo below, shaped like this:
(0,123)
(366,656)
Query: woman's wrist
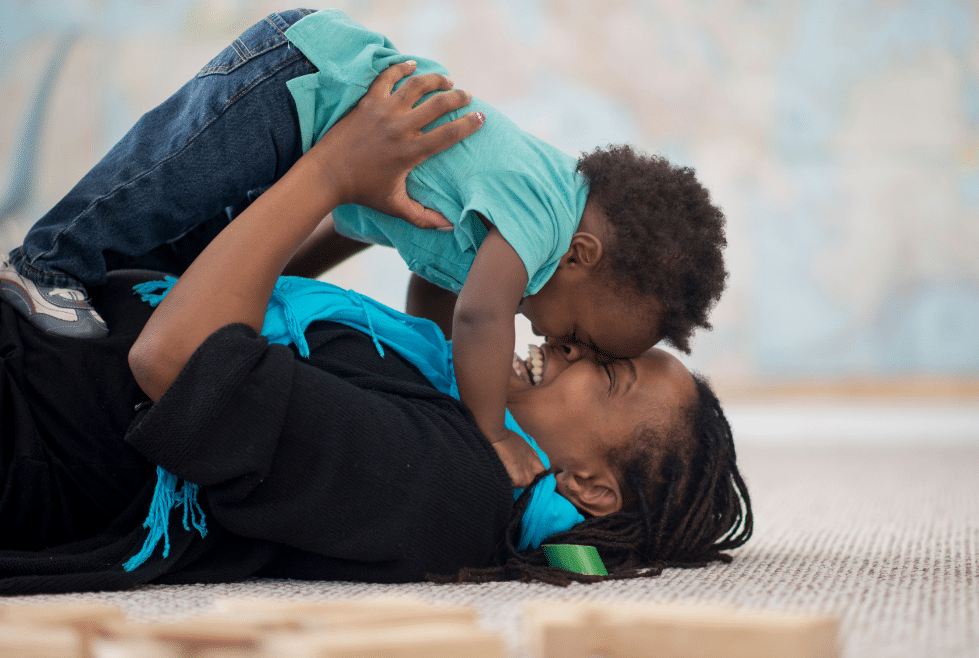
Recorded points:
(319,178)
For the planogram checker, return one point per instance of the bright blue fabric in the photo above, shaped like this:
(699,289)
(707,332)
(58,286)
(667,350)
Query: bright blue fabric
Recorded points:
(548,512)
(530,190)
(298,302)
(165,498)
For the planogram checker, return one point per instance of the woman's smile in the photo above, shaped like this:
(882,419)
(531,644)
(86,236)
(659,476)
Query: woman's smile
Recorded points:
(531,369)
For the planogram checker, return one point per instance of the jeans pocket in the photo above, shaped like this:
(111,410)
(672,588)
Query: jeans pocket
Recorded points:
(260,38)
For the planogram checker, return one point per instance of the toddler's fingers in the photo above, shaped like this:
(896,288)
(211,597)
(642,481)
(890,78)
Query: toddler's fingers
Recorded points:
(440,138)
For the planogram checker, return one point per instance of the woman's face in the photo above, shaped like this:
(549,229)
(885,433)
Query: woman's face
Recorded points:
(581,409)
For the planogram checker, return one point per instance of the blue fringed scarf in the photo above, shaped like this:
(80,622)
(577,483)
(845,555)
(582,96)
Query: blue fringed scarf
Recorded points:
(294,305)
(165,498)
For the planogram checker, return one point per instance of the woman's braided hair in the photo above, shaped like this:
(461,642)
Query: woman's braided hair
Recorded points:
(667,237)
(685,511)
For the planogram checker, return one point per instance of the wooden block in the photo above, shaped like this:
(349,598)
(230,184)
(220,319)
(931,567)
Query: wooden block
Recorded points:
(228,653)
(634,630)
(366,619)
(239,628)
(213,632)
(26,641)
(195,637)
(737,636)
(133,648)
(564,630)
(89,620)
(86,617)
(161,649)
(362,613)
(417,641)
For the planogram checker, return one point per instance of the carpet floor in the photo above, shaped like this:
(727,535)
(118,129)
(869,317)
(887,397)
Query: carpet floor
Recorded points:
(886,538)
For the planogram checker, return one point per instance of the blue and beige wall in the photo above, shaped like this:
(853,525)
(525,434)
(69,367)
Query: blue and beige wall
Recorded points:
(841,137)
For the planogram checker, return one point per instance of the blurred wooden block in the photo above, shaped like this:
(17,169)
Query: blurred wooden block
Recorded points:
(86,617)
(139,648)
(192,638)
(636,630)
(243,627)
(393,627)
(26,641)
(87,621)
(226,653)
(162,649)
(413,641)
(363,613)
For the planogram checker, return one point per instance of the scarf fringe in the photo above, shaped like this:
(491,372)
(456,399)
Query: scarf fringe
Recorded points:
(153,292)
(356,297)
(165,498)
(293,325)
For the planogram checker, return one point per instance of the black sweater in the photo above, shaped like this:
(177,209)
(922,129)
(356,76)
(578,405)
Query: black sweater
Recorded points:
(343,466)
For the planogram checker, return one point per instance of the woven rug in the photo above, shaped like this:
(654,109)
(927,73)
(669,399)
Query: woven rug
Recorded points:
(885,538)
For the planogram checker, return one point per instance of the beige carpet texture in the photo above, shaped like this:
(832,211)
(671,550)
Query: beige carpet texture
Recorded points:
(885,538)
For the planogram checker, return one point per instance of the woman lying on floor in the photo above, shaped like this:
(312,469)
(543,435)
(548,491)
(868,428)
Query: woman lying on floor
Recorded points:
(331,447)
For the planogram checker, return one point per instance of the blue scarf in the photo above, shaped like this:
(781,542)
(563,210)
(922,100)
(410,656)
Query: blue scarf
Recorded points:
(294,305)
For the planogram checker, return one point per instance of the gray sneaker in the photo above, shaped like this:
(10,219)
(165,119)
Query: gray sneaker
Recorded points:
(58,311)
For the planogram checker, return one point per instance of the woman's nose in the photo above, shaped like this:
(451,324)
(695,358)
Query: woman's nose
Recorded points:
(570,350)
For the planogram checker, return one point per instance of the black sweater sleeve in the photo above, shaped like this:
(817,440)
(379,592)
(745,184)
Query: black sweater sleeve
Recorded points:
(348,458)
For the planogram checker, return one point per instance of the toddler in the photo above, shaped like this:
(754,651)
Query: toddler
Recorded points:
(613,252)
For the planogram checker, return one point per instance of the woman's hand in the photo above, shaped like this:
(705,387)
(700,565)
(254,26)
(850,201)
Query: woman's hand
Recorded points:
(366,156)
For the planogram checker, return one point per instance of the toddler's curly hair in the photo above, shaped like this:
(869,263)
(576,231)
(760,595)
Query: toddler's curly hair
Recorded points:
(667,237)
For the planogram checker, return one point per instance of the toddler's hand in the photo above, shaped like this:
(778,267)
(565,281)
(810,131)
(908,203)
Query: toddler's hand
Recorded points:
(520,460)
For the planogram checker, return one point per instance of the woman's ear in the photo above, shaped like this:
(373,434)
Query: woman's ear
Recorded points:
(586,250)
(597,494)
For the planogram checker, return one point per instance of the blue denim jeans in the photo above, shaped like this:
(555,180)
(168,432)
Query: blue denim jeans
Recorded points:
(182,172)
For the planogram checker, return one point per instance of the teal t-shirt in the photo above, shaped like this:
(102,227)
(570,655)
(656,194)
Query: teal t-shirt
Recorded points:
(530,190)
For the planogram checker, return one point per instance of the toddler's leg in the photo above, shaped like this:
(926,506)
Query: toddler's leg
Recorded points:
(176,256)
(231,129)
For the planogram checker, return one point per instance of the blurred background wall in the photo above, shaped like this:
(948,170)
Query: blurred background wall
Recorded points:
(841,138)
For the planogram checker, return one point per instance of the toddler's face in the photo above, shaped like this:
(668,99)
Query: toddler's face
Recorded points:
(591,316)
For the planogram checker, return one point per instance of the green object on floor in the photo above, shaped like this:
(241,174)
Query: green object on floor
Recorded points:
(572,557)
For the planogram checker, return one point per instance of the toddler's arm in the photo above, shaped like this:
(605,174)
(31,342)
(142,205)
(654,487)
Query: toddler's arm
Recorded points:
(322,250)
(482,349)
